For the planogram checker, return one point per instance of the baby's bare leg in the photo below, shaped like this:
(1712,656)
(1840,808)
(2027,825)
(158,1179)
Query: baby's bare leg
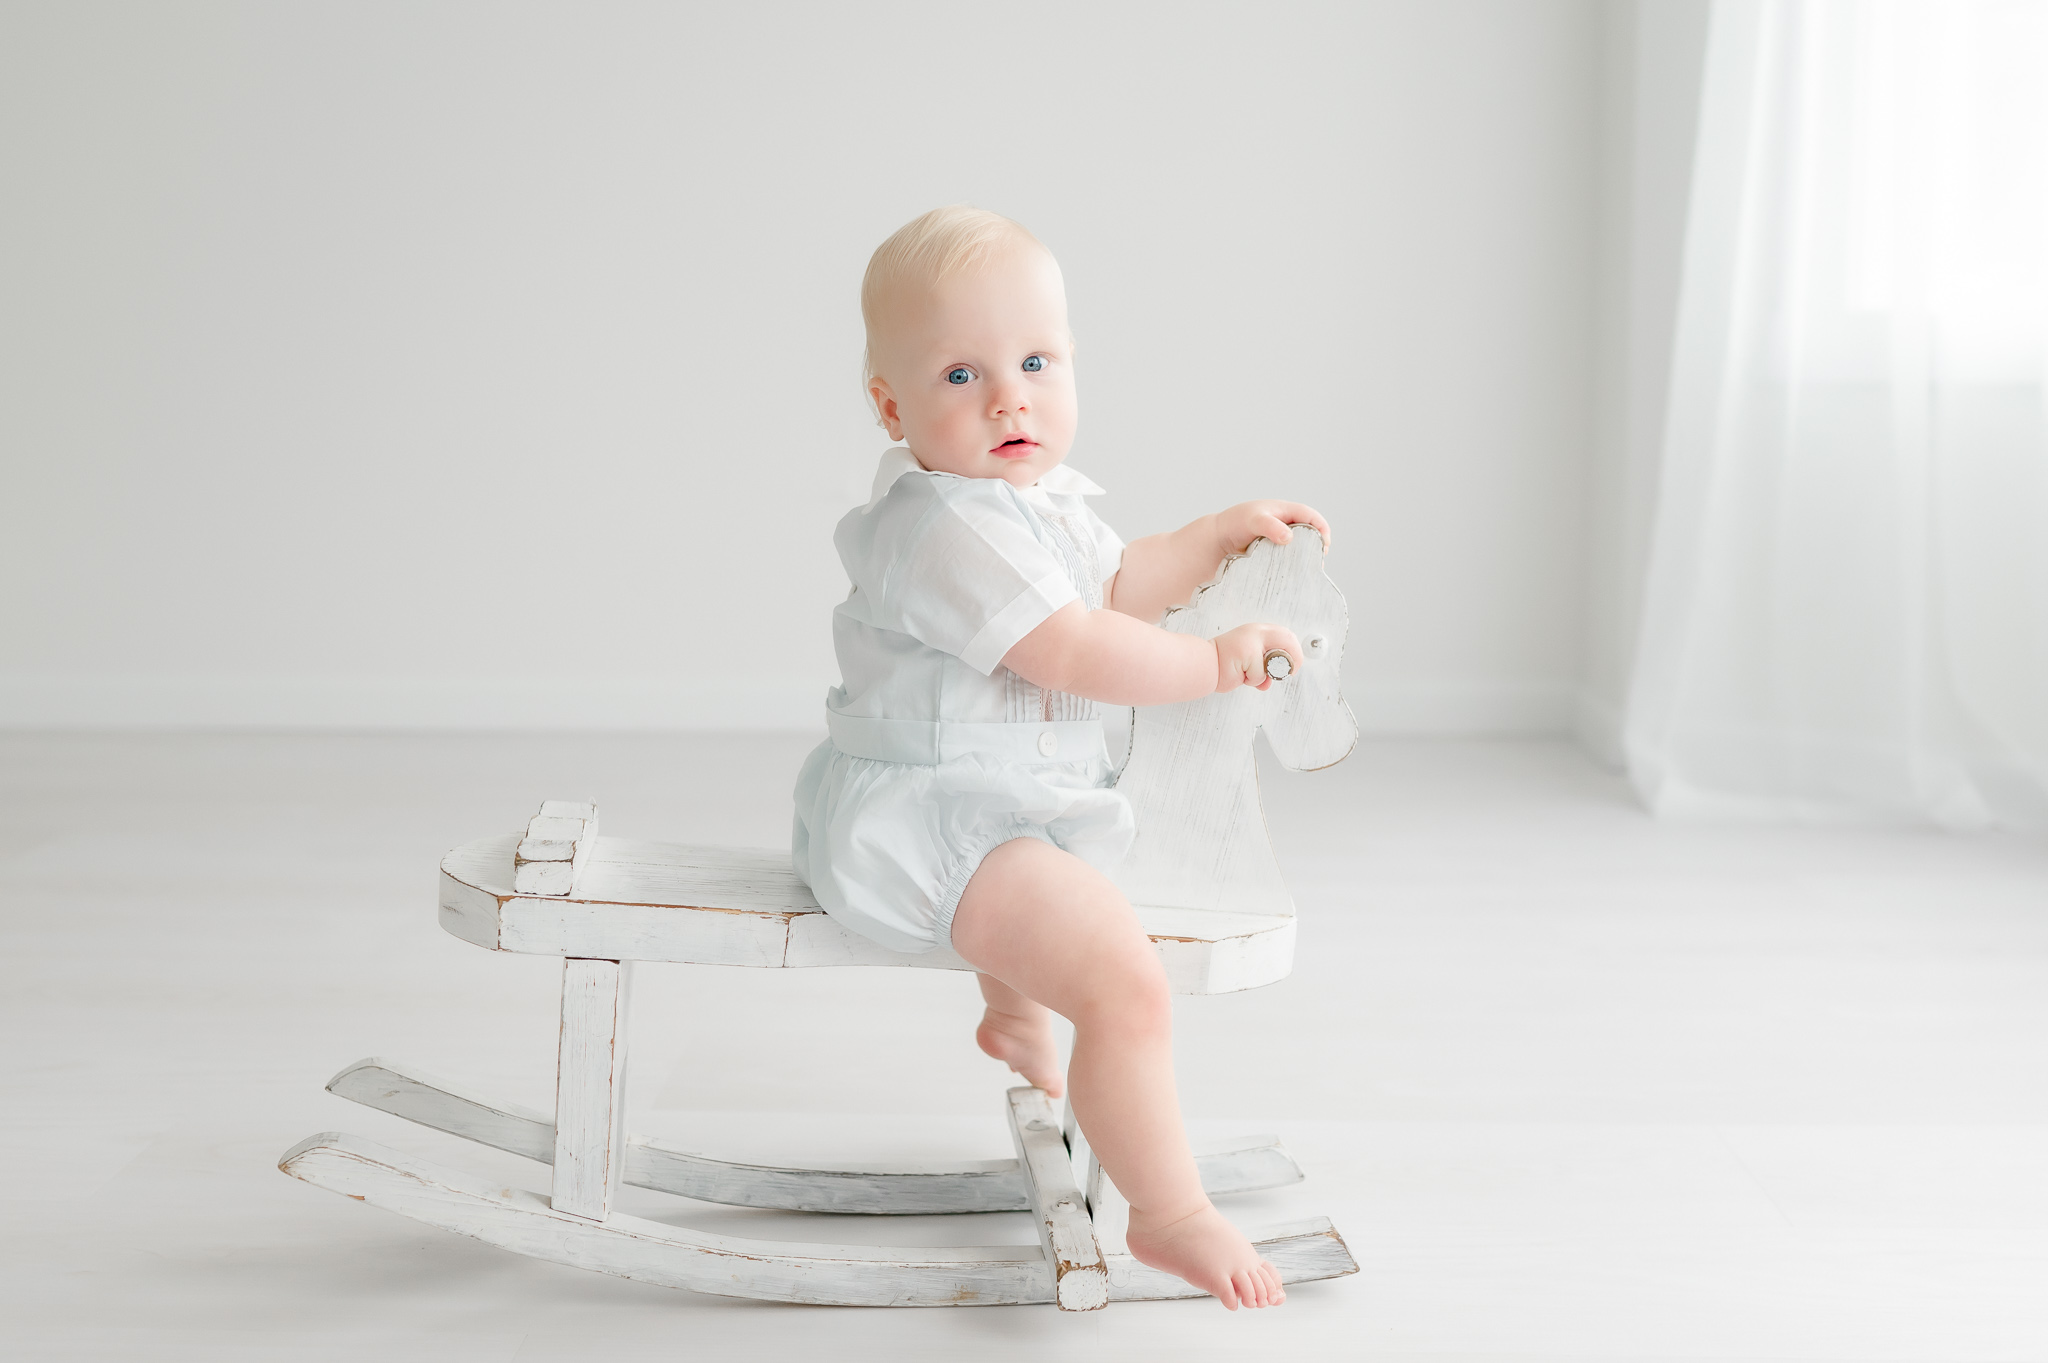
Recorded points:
(1052,928)
(1018,1032)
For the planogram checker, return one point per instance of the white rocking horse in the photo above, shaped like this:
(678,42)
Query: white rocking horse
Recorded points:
(1208,891)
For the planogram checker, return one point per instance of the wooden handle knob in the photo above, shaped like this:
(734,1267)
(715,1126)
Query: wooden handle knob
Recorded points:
(1277,665)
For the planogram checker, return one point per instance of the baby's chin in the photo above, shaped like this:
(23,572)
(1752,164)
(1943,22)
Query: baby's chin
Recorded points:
(1023,472)
(1018,470)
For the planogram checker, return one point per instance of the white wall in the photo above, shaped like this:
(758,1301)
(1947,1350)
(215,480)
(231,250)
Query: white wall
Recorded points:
(490,365)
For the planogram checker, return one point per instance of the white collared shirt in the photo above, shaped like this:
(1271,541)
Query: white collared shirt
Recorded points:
(948,574)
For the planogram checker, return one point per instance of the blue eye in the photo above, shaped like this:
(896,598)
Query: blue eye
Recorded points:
(1033,363)
(961,375)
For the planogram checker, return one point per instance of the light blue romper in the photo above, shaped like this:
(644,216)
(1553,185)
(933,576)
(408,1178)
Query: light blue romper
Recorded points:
(937,751)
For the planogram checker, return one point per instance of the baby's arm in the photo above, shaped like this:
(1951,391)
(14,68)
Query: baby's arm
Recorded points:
(1163,570)
(1110,657)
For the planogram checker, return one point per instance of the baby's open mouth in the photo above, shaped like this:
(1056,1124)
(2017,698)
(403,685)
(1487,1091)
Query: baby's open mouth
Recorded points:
(1016,445)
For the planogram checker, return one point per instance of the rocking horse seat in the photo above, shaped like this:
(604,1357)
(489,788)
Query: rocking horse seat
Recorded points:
(664,901)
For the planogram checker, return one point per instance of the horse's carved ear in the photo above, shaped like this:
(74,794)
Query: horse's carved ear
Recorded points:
(1257,572)
(1262,561)
(1306,536)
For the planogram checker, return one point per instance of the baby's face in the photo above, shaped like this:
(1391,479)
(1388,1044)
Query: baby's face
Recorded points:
(977,376)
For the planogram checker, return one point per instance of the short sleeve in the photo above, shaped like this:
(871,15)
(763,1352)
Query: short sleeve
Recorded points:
(969,577)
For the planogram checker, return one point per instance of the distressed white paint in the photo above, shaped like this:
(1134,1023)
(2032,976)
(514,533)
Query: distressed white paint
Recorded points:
(656,901)
(1109,1209)
(646,1251)
(469,912)
(543,876)
(447,1106)
(590,1092)
(1058,1212)
(1077,1142)
(1207,951)
(551,838)
(872,1187)
(698,934)
(1247,1164)
(847,1275)
(556,848)
(1191,778)
(629,871)
(817,939)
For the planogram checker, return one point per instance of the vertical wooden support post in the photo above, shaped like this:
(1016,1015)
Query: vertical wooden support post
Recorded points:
(1080,1154)
(590,1091)
(1107,1208)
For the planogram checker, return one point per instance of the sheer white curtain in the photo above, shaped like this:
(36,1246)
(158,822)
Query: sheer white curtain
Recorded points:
(1846,613)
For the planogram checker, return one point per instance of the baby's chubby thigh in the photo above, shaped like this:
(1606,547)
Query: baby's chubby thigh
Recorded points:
(1054,928)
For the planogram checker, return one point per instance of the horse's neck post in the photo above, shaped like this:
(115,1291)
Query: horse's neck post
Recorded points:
(1193,787)
(1199,742)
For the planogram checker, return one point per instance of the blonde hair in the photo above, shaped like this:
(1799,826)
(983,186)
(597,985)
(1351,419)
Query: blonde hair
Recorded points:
(929,248)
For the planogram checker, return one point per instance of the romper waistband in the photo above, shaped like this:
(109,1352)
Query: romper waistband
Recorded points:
(926,743)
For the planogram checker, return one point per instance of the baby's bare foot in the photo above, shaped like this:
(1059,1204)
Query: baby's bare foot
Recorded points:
(1026,1046)
(1209,1253)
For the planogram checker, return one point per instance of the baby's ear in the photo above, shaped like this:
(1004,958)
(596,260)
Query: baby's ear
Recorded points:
(884,403)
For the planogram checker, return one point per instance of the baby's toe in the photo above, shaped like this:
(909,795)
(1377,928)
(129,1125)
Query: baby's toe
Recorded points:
(1254,1290)
(1247,1285)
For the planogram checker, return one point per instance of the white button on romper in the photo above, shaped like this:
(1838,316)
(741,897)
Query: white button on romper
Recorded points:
(938,752)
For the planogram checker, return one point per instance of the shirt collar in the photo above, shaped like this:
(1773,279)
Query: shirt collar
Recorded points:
(898,460)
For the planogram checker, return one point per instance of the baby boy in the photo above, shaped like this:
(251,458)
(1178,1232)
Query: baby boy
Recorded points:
(964,797)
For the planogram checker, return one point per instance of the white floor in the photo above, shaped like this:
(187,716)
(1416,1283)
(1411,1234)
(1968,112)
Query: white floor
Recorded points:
(1573,1084)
